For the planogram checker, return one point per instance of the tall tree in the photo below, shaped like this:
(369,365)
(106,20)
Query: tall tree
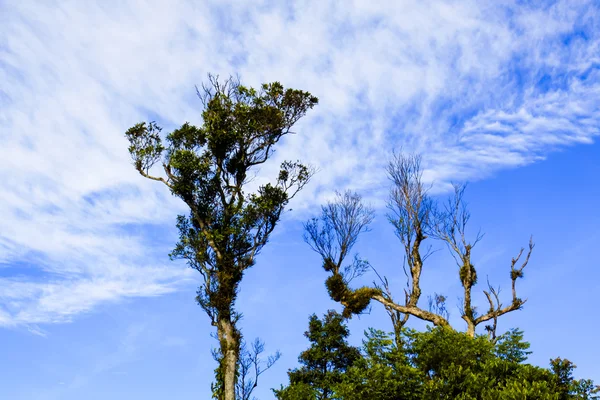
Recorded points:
(208,167)
(324,362)
(415,217)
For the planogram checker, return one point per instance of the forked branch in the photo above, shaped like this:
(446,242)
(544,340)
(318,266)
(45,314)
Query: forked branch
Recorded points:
(496,309)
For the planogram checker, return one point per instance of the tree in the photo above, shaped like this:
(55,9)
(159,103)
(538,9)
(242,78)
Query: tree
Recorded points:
(324,363)
(416,218)
(208,167)
(567,386)
(442,363)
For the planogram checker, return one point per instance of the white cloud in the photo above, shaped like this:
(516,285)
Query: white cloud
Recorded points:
(456,80)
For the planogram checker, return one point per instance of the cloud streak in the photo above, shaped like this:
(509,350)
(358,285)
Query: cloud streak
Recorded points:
(476,88)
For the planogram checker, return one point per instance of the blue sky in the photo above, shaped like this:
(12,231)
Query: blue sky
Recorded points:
(503,94)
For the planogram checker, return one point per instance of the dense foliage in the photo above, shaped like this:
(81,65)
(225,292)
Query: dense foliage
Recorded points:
(442,363)
(324,363)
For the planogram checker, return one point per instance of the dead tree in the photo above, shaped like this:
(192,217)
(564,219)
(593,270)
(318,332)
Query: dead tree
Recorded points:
(416,218)
(449,226)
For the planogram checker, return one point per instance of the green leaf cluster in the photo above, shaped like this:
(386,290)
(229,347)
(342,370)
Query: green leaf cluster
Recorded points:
(441,363)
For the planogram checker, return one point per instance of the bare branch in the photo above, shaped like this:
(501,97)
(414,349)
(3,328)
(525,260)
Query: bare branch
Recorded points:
(411,210)
(495,306)
(437,305)
(436,319)
(335,232)
(516,303)
(449,225)
(251,366)
(154,178)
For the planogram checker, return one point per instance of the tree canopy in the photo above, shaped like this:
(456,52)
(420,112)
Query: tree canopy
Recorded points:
(441,363)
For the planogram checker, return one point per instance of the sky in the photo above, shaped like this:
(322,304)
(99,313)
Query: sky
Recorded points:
(502,94)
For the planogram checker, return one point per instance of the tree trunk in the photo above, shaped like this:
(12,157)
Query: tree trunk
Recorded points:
(470,328)
(229,339)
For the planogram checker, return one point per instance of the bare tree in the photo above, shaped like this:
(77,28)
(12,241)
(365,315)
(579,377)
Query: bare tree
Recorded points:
(250,367)
(450,227)
(415,218)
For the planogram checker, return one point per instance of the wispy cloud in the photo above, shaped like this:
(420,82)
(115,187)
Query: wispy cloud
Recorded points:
(475,87)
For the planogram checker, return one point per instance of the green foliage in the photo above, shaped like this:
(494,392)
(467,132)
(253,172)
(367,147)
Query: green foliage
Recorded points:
(356,301)
(336,287)
(207,167)
(297,391)
(145,145)
(468,274)
(383,372)
(324,363)
(511,347)
(441,363)
(569,388)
